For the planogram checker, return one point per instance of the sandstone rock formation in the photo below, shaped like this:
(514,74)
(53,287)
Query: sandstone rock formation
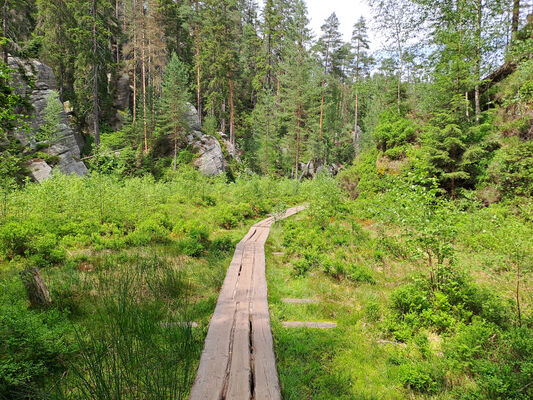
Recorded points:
(37,80)
(211,160)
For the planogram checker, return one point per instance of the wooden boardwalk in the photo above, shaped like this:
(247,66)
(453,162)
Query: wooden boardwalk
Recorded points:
(238,360)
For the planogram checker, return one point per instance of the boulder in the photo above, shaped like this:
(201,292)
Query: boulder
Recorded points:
(211,160)
(40,170)
(193,120)
(66,144)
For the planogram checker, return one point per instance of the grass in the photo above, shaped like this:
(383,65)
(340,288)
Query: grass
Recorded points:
(127,262)
(360,359)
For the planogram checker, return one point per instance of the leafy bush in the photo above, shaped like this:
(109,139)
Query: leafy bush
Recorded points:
(34,344)
(421,377)
(455,300)
(393,133)
(44,250)
(221,245)
(14,239)
(512,168)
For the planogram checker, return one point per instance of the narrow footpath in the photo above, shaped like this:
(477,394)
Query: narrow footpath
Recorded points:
(238,361)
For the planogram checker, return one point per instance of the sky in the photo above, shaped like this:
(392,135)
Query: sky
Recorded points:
(348,12)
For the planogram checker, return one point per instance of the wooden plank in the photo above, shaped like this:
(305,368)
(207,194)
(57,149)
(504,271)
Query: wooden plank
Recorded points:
(238,351)
(211,376)
(265,372)
(318,325)
(238,385)
(299,301)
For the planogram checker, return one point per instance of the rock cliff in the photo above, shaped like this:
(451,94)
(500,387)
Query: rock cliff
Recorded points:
(211,160)
(37,80)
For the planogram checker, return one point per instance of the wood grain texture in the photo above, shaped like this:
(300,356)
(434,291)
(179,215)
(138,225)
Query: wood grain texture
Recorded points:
(238,359)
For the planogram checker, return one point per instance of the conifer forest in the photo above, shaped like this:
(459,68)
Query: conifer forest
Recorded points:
(220,199)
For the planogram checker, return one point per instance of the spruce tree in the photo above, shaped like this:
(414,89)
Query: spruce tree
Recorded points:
(361,63)
(173,105)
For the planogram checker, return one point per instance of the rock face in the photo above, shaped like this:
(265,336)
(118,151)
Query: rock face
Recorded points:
(65,144)
(121,101)
(40,170)
(211,160)
(311,169)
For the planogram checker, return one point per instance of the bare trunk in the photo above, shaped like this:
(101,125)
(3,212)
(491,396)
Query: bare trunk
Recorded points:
(478,61)
(467,105)
(356,123)
(198,86)
(321,113)
(4,30)
(61,81)
(176,132)
(231,117)
(223,119)
(36,288)
(95,81)
(298,125)
(143,75)
(134,24)
(117,16)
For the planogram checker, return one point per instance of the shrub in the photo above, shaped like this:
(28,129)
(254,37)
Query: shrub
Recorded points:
(14,239)
(393,132)
(421,377)
(221,245)
(512,168)
(34,344)
(44,250)
(149,231)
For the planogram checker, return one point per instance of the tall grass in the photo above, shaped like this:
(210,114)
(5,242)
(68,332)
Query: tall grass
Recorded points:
(141,346)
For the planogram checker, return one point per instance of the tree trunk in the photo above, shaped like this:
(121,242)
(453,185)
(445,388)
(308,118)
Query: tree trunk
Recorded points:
(36,288)
(356,122)
(231,118)
(267,134)
(117,40)
(321,112)
(61,81)
(143,75)
(298,125)
(134,24)
(516,16)
(4,30)
(95,82)
(198,82)
(478,62)
(223,119)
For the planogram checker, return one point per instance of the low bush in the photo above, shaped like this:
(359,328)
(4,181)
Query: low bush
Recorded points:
(34,345)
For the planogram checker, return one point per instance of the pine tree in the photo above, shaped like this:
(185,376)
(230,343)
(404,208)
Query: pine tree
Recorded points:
(173,107)
(328,45)
(52,118)
(296,84)
(361,45)
(54,21)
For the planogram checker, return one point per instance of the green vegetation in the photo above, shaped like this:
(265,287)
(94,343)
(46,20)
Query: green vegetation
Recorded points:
(419,248)
(128,263)
(424,295)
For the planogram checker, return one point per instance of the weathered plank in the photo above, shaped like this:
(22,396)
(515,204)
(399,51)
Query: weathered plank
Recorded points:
(238,359)
(301,324)
(299,301)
